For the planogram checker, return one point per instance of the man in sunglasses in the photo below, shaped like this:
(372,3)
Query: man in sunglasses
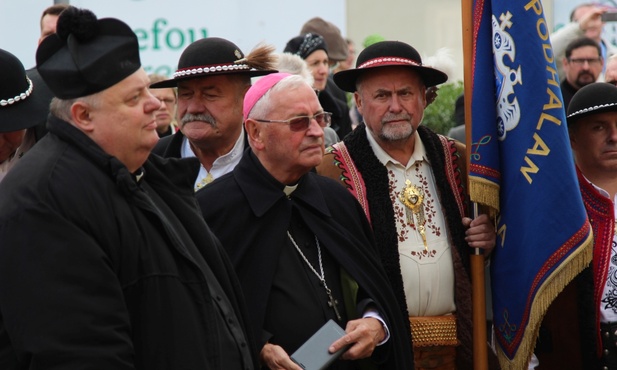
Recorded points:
(582,65)
(299,242)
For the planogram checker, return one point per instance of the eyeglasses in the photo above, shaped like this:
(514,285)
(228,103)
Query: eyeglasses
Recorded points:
(301,123)
(582,61)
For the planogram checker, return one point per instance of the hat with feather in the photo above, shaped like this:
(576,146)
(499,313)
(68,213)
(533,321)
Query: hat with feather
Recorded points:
(216,56)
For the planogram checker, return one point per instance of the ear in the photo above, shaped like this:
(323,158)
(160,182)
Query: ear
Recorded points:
(358,100)
(81,116)
(255,133)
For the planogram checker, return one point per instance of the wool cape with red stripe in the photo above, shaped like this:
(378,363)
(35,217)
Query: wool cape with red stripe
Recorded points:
(448,164)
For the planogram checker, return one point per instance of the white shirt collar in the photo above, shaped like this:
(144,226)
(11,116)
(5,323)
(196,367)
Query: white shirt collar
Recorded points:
(233,154)
(603,192)
(419,151)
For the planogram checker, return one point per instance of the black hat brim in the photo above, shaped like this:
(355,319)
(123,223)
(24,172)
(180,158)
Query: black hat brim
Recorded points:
(598,97)
(24,113)
(347,79)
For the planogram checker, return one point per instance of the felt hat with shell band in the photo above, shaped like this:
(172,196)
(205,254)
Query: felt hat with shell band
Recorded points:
(20,105)
(594,98)
(211,56)
(388,54)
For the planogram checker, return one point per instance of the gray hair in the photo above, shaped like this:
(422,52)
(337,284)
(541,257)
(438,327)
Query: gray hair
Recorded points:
(295,65)
(61,108)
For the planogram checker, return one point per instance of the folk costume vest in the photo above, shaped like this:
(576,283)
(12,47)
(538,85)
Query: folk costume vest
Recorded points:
(354,164)
(600,213)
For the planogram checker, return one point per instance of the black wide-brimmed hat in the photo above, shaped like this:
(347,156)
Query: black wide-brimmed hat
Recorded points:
(20,105)
(594,98)
(215,56)
(87,55)
(388,54)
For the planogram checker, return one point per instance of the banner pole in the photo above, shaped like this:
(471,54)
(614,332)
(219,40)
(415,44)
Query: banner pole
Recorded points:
(480,346)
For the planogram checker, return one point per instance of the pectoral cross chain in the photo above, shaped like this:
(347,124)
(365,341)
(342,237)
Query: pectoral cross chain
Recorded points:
(321,275)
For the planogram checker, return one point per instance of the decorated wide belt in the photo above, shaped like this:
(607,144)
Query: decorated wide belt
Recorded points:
(433,331)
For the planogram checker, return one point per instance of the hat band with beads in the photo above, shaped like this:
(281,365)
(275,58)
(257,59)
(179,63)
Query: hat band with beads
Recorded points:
(17,98)
(193,71)
(388,61)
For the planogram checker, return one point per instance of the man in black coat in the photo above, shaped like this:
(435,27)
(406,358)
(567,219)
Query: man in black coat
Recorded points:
(105,262)
(301,246)
(582,65)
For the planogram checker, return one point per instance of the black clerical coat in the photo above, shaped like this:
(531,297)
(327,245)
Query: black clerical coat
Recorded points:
(101,271)
(250,214)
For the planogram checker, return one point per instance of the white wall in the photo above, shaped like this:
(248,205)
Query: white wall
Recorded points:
(427,25)
(166,27)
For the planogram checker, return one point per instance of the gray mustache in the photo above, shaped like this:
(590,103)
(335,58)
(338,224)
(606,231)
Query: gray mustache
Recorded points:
(198,117)
(396,117)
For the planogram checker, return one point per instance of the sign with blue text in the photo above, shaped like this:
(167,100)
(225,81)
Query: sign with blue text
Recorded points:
(166,28)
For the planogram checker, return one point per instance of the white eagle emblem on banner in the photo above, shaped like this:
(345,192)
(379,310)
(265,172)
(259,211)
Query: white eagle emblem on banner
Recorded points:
(508,110)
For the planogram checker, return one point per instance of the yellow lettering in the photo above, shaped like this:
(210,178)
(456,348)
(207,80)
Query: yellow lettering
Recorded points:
(548,53)
(540,147)
(554,79)
(531,169)
(548,117)
(536,5)
(553,102)
(501,234)
(542,29)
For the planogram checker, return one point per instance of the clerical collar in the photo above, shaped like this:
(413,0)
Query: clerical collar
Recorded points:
(138,175)
(290,189)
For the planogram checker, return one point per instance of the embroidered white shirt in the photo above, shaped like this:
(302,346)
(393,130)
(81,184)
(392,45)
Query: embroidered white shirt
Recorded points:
(428,273)
(222,165)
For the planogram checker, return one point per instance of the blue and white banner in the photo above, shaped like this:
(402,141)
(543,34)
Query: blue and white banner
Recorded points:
(521,165)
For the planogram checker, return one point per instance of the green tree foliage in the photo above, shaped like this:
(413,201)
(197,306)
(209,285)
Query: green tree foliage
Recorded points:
(439,115)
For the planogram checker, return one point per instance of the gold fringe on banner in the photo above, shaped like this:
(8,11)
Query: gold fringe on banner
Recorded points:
(546,294)
(484,192)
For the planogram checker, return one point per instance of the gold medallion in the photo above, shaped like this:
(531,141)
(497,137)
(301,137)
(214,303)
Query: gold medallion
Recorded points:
(412,197)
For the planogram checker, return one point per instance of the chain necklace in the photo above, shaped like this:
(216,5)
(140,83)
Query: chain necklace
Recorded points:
(322,277)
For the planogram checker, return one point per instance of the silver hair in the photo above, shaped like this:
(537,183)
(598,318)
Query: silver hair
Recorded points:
(61,108)
(295,65)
